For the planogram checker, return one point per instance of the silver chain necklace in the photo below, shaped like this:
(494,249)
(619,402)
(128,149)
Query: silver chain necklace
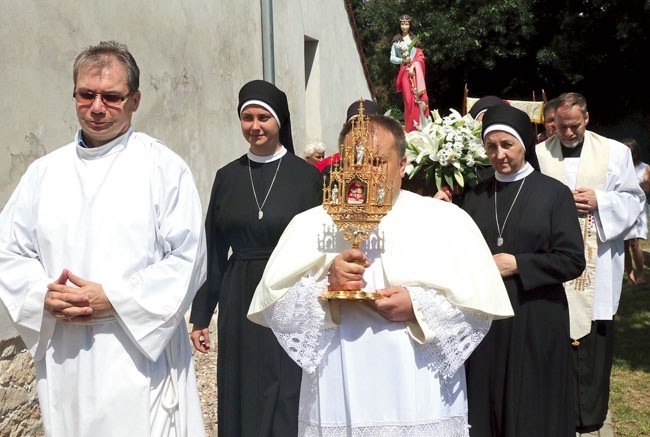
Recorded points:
(496,215)
(260,214)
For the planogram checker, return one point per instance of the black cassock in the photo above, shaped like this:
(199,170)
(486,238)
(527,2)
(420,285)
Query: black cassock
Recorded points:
(520,377)
(258,384)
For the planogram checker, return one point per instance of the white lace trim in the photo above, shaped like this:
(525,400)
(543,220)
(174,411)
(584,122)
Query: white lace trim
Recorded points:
(457,331)
(298,321)
(449,427)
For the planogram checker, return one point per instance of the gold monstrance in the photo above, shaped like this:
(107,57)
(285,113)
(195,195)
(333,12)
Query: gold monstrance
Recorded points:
(358,194)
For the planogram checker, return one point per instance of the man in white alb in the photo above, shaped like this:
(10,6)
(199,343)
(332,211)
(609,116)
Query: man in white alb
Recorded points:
(393,366)
(101,252)
(608,198)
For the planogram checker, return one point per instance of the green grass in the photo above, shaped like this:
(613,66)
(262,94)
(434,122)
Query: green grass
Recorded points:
(630,382)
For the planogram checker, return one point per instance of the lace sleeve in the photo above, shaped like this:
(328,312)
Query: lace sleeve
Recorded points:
(457,331)
(298,322)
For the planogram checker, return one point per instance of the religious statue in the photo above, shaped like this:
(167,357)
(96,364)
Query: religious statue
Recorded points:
(335,193)
(359,154)
(406,52)
(380,195)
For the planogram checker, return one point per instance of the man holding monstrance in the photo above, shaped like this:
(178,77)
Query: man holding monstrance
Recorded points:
(391,365)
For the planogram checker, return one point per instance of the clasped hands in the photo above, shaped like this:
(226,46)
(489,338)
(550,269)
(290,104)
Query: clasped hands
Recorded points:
(71,297)
(585,199)
(507,264)
(346,274)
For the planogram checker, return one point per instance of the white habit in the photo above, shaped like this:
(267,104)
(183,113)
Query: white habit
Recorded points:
(365,375)
(126,215)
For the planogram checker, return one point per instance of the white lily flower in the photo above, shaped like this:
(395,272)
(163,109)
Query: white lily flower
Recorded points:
(451,145)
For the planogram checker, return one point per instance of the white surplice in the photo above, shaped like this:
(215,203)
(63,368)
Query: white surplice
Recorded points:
(640,229)
(365,375)
(126,215)
(620,202)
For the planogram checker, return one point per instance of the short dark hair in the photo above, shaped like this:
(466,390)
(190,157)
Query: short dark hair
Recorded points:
(551,104)
(395,128)
(386,122)
(102,54)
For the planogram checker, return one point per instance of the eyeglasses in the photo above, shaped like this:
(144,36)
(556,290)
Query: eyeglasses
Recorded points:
(85,97)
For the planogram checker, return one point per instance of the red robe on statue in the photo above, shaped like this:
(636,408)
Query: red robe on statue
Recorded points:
(414,90)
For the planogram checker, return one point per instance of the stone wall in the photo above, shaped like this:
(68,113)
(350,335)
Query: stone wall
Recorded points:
(19,412)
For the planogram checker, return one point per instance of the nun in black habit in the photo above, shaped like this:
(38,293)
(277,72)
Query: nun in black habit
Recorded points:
(253,199)
(519,379)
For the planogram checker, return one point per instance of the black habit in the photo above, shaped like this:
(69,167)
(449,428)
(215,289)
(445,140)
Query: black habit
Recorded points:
(258,384)
(520,377)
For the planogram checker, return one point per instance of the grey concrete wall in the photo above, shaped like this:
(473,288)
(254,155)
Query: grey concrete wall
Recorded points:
(194,55)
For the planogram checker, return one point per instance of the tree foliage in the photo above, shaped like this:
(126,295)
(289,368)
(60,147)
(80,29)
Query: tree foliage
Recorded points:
(514,48)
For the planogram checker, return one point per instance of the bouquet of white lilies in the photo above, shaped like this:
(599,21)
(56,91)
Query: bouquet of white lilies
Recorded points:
(448,150)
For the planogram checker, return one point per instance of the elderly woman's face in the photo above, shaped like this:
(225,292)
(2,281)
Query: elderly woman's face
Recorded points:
(506,154)
(315,157)
(260,129)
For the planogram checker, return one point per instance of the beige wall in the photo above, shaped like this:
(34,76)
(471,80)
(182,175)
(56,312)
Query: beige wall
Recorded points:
(194,55)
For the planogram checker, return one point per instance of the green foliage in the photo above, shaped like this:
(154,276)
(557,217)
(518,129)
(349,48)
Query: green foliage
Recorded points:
(488,35)
(514,48)
(630,382)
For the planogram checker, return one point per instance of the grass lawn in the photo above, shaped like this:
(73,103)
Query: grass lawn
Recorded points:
(630,383)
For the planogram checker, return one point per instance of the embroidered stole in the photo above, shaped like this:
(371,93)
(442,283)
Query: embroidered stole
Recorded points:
(592,173)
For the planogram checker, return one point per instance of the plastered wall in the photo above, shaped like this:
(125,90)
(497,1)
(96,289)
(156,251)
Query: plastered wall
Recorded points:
(194,55)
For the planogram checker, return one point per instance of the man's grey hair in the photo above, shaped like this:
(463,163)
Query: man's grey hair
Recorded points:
(572,99)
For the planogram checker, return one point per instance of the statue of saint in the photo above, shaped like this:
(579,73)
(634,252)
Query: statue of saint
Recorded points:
(406,53)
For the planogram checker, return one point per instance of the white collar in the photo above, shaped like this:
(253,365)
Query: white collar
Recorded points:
(269,158)
(112,146)
(519,174)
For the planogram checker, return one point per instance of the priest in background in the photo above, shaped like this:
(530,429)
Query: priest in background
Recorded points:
(608,198)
